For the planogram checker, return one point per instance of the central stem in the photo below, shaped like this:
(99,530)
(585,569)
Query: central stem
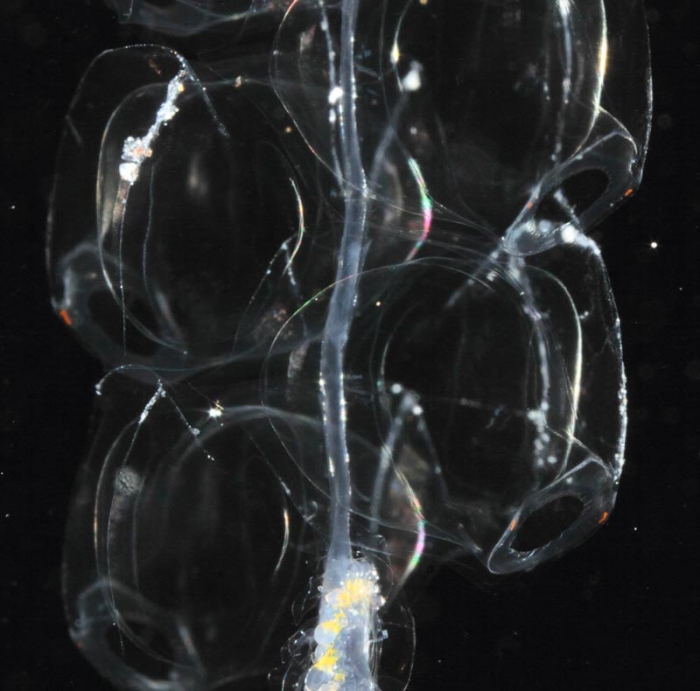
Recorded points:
(343,298)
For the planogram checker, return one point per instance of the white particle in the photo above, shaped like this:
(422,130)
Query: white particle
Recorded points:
(568,233)
(535,415)
(167,112)
(412,81)
(395,53)
(127,482)
(129,172)
(336,93)
(136,149)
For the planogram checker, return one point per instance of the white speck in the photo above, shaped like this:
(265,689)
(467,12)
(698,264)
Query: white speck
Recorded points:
(396,388)
(215,412)
(378,303)
(167,112)
(136,149)
(160,393)
(568,233)
(417,410)
(654,245)
(129,172)
(395,53)
(336,93)
(535,415)
(127,482)
(412,81)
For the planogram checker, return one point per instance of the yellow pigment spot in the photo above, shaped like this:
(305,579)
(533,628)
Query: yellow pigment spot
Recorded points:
(326,662)
(335,625)
(355,591)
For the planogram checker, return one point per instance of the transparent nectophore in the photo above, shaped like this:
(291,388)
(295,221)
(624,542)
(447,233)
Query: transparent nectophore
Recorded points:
(335,263)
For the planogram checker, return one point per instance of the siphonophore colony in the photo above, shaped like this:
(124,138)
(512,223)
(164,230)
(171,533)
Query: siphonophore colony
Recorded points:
(335,262)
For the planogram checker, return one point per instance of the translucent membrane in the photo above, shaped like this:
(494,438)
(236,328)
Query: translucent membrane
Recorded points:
(185,17)
(340,279)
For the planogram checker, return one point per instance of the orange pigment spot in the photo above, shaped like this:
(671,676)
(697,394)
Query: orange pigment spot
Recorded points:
(65,317)
(629,192)
(513,524)
(603,518)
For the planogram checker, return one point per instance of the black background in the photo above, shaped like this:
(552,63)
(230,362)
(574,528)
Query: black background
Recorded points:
(620,612)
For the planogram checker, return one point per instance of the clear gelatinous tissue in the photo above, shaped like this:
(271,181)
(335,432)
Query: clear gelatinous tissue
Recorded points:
(336,264)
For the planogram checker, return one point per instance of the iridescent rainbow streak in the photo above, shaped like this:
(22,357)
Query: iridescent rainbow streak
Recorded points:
(426,204)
